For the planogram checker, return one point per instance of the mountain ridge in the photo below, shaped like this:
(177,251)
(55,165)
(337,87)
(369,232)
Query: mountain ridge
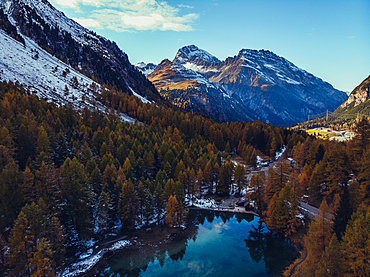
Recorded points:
(267,85)
(87,52)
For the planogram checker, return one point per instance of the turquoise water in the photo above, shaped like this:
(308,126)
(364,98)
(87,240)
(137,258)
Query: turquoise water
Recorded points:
(214,244)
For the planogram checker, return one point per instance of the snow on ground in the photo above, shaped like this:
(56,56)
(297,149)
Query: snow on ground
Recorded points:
(280,153)
(204,203)
(48,76)
(143,99)
(89,261)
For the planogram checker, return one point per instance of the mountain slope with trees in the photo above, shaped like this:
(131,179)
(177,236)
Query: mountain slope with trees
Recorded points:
(89,175)
(61,37)
(348,113)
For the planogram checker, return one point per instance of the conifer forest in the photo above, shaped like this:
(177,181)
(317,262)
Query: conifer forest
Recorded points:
(69,176)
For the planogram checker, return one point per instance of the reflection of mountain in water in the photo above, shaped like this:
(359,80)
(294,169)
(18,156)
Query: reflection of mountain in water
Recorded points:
(134,259)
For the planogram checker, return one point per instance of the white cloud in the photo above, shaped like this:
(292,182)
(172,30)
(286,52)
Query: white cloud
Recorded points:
(88,22)
(185,6)
(128,15)
(67,3)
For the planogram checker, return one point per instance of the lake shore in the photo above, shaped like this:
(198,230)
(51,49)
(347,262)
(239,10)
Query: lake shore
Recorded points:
(147,239)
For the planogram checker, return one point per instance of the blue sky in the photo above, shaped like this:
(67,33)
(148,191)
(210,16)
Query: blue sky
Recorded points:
(330,39)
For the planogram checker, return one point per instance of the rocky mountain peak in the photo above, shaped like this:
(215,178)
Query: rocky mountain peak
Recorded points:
(267,86)
(359,95)
(193,53)
(146,68)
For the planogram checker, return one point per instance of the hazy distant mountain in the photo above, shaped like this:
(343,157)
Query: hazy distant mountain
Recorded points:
(59,59)
(268,87)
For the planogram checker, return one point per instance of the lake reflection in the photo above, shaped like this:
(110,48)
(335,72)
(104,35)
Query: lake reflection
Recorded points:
(213,244)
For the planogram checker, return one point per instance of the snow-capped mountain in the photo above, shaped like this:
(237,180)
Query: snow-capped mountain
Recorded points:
(201,95)
(59,59)
(267,85)
(146,68)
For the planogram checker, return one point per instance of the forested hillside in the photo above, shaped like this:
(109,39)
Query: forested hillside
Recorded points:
(335,177)
(68,177)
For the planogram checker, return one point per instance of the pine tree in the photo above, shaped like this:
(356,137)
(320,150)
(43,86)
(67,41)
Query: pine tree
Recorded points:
(239,177)
(169,188)
(172,211)
(318,237)
(356,244)
(191,184)
(159,201)
(76,193)
(103,211)
(41,262)
(364,176)
(127,169)
(316,182)
(331,262)
(148,207)
(257,187)
(24,150)
(36,242)
(10,200)
(128,205)
(29,192)
(200,183)
(343,213)
(21,246)
(207,176)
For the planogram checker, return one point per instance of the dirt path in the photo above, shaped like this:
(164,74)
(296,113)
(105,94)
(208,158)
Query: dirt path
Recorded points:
(292,271)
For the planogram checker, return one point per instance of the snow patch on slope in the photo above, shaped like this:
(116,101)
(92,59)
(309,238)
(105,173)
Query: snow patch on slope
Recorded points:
(199,68)
(143,99)
(47,76)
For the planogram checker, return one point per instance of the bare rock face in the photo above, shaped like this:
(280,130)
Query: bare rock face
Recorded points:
(267,87)
(359,95)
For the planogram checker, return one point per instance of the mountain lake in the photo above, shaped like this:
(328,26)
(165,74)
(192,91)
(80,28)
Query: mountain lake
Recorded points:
(212,244)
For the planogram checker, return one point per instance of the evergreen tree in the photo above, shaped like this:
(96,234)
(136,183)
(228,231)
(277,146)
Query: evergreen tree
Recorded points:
(10,200)
(103,211)
(36,242)
(172,212)
(331,262)
(148,207)
(207,176)
(239,177)
(257,190)
(159,202)
(278,177)
(169,188)
(76,193)
(343,213)
(24,150)
(316,182)
(364,176)
(318,237)
(41,262)
(128,205)
(356,244)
